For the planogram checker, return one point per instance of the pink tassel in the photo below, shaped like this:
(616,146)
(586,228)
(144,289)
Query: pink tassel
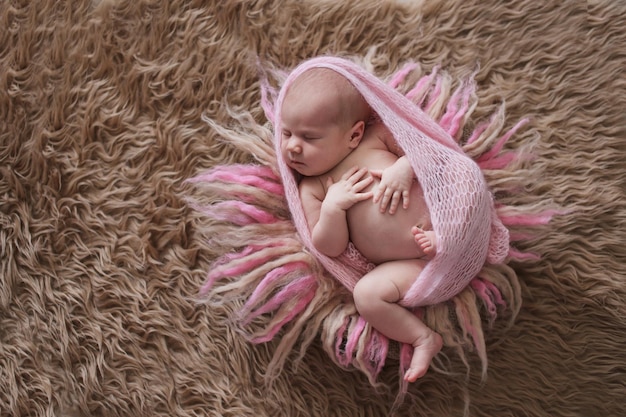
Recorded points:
(240,213)
(498,162)
(221,272)
(253,175)
(377,348)
(490,295)
(451,120)
(270,279)
(353,337)
(401,75)
(478,131)
(495,150)
(297,309)
(435,94)
(304,286)
(421,85)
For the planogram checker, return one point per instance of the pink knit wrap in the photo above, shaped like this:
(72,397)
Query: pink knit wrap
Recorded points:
(469,233)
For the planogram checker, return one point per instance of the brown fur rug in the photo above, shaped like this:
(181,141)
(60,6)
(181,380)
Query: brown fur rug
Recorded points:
(101,108)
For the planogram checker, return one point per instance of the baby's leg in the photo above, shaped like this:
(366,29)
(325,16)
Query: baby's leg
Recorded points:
(426,240)
(376,297)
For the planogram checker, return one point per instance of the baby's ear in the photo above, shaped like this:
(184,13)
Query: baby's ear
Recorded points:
(356,133)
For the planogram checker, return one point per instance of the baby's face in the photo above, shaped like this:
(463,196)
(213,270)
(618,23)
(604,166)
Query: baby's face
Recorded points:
(312,142)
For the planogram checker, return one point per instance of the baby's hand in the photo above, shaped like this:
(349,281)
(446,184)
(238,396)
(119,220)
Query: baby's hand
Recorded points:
(395,183)
(348,191)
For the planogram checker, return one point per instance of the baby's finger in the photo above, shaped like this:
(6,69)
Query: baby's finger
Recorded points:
(357,175)
(364,196)
(395,202)
(362,184)
(385,200)
(405,199)
(378,194)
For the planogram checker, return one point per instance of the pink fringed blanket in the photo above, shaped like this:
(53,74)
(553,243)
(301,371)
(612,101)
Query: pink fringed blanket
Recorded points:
(270,266)
(462,211)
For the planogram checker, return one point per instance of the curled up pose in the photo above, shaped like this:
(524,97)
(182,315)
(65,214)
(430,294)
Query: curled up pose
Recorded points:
(356,186)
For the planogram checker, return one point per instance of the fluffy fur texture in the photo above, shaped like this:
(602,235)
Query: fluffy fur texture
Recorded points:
(101,257)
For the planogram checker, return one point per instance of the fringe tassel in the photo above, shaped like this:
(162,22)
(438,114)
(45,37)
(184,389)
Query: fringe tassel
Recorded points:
(401,75)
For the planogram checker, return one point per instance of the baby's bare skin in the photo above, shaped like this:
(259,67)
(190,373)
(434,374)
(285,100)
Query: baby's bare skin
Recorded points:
(382,237)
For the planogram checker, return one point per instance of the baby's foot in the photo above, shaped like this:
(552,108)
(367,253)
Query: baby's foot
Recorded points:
(426,240)
(424,350)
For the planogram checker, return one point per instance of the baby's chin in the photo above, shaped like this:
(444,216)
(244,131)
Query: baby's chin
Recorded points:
(296,172)
(295,167)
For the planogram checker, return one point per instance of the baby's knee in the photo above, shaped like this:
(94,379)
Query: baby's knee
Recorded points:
(364,295)
(370,294)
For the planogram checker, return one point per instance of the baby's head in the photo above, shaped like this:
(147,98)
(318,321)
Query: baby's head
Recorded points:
(323,118)
(333,97)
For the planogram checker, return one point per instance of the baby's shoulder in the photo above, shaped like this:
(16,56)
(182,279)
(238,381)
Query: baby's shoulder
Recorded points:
(311,186)
(379,131)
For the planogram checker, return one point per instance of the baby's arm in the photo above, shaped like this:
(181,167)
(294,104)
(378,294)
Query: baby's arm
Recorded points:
(326,215)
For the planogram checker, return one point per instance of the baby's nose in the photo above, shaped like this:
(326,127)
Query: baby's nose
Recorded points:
(293,145)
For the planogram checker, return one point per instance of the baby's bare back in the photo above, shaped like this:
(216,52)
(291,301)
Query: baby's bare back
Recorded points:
(382,237)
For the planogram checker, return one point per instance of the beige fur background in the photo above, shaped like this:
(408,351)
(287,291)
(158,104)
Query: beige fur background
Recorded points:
(100,258)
